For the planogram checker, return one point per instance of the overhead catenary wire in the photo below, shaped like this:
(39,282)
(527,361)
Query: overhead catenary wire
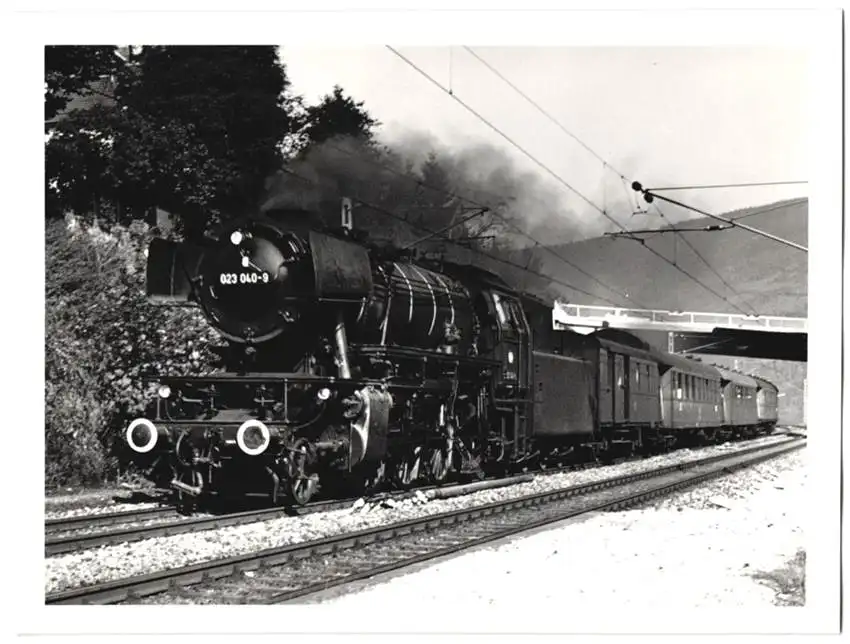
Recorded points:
(728,185)
(557,177)
(540,109)
(607,164)
(650,196)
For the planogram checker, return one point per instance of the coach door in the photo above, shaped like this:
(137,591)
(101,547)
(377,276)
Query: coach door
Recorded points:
(606,390)
(619,387)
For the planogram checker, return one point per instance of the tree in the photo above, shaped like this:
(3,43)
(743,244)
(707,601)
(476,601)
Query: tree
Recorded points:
(72,70)
(194,129)
(228,101)
(338,115)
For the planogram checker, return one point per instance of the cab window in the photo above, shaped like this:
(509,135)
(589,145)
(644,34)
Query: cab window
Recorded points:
(517,315)
(509,313)
(500,309)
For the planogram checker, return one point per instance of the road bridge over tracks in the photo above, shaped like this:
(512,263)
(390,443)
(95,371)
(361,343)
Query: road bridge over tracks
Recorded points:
(765,336)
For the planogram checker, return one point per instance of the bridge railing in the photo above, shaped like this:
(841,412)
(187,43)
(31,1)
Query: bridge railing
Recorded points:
(595,314)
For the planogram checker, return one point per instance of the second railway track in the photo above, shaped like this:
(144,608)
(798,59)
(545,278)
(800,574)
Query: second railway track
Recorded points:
(72,534)
(297,571)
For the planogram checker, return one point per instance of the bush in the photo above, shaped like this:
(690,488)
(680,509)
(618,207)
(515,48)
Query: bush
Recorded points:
(105,346)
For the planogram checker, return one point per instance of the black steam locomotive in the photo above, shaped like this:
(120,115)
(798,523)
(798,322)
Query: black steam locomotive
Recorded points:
(347,366)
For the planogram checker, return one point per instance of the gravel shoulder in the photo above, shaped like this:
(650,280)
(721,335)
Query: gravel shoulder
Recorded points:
(735,543)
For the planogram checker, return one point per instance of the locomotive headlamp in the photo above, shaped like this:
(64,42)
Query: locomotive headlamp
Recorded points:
(510,357)
(236,237)
(323,394)
(164,391)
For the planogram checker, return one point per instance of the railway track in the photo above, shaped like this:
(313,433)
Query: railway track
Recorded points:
(297,571)
(59,541)
(72,534)
(91,521)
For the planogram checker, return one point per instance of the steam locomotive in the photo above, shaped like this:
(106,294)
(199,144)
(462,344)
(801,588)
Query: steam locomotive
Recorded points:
(350,368)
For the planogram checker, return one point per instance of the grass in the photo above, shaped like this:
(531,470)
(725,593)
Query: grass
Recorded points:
(788,582)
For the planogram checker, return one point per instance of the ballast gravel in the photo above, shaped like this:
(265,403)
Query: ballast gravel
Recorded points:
(717,546)
(141,557)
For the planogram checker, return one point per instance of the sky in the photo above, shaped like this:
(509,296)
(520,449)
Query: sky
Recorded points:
(666,116)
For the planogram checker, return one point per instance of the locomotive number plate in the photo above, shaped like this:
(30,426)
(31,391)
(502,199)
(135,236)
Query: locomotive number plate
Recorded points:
(244,278)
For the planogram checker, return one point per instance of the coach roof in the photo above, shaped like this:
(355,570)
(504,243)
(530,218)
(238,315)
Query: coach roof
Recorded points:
(765,384)
(737,378)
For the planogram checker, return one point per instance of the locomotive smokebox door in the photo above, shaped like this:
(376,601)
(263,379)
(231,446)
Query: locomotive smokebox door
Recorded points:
(341,267)
(170,268)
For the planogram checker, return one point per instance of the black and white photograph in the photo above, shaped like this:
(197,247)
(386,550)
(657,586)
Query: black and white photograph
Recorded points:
(463,335)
